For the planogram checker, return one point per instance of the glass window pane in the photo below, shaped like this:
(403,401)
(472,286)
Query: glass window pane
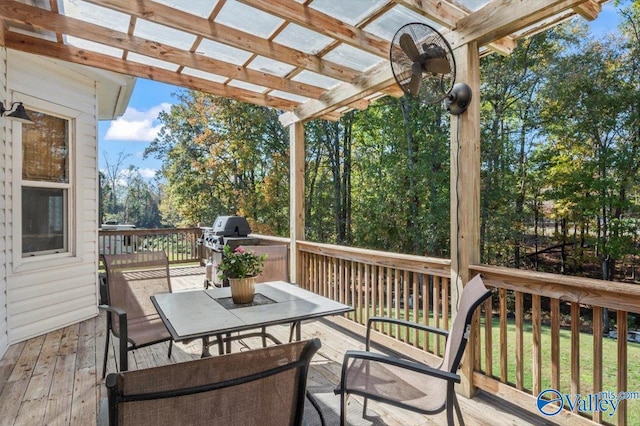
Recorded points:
(45,148)
(43,220)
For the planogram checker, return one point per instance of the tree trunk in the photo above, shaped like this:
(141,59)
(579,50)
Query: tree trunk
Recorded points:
(412,161)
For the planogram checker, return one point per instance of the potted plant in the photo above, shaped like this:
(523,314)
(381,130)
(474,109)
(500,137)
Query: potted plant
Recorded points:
(241,267)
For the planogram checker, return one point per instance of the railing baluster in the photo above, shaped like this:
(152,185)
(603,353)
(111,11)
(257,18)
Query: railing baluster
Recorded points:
(597,356)
(352,282)
(536,323)
(503,335)
(575,348)
(436,314)
(622,365)
(425,310)
(416,309)
(360,288)
(373,290)
(488,337)
(446,303)
(405,304)
(340,279)
(389,294)
(555,343)
(519,340)
(396,296)
(381,293)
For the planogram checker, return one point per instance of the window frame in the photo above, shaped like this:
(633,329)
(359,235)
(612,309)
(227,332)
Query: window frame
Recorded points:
(42,259)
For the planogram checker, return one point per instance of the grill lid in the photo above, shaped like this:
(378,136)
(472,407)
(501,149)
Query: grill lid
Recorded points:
(231,226)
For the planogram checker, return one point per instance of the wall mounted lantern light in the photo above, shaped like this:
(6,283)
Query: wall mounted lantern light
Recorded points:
(18,113)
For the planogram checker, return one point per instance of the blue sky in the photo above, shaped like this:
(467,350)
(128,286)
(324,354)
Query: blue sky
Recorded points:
(137,127)
(133,132)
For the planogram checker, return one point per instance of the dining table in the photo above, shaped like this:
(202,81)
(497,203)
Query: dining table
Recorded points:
(208,313)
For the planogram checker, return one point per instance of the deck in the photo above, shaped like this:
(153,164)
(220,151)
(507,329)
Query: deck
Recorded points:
(55,379)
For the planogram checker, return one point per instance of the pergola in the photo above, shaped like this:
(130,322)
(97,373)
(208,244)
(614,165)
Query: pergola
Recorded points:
(314,58)
(310,58)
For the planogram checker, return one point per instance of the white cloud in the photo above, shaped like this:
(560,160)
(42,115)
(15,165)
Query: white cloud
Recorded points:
(124,175)
(135,125)
(148,173)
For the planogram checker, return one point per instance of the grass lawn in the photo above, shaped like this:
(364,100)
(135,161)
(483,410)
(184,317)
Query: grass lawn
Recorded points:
(609,362)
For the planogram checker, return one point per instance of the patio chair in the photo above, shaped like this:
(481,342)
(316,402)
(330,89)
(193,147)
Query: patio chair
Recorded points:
(264,386)
(131,280)
(406,383)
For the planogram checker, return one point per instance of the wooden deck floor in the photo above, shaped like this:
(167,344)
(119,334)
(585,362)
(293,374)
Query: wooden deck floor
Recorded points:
(56,379)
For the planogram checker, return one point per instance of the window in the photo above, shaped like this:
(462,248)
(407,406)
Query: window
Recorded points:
(45,185)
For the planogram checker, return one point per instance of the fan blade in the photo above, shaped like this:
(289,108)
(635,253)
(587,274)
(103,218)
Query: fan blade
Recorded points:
(437,66)
(415,82)
(409,47)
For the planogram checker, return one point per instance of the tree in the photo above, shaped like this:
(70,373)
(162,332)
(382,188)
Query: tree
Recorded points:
(510,130)
(593,162)
(126,196)
(223,157)
(400,180)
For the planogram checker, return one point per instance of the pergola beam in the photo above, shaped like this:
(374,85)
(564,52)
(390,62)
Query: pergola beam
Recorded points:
(440,12)
(448,15)
(324,24)
(377,79)
(177,19)
(49,49)
(502,17)
(59,24)
(589,10)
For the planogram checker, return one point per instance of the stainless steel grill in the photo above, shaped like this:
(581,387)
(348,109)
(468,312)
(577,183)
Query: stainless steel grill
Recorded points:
(226,230)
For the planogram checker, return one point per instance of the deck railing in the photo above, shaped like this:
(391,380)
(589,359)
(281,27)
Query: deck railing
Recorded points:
(379,283)
(545,332)
(539,332)
(180,244)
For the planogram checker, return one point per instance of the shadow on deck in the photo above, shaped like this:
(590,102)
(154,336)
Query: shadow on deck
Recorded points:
(56,379)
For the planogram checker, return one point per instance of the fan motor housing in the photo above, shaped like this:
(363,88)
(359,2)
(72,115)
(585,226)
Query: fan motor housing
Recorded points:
(457,101)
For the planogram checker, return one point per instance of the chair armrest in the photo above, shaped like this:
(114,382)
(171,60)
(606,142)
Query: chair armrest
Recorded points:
(113,309)
(394,361)
(124,334)
(405,323)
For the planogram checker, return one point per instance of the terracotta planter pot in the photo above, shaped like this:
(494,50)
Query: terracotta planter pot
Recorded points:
(242,289)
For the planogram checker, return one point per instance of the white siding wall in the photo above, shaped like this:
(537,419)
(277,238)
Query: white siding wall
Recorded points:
(4,338)
(45,293)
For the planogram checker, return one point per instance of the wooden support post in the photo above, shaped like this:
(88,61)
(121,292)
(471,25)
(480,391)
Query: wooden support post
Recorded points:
(465,194)
(296,197)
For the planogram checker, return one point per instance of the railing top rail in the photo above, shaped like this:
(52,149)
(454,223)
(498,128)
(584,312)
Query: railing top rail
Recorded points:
(281,240)
(589,291)
(149,231)
(413,263)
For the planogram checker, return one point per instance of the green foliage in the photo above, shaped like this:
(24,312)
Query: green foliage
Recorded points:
(223,157)
(400,178)
(240,263)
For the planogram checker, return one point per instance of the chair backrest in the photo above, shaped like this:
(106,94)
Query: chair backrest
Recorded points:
(263,386)
(276,266)
(132,279)
(473,294)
